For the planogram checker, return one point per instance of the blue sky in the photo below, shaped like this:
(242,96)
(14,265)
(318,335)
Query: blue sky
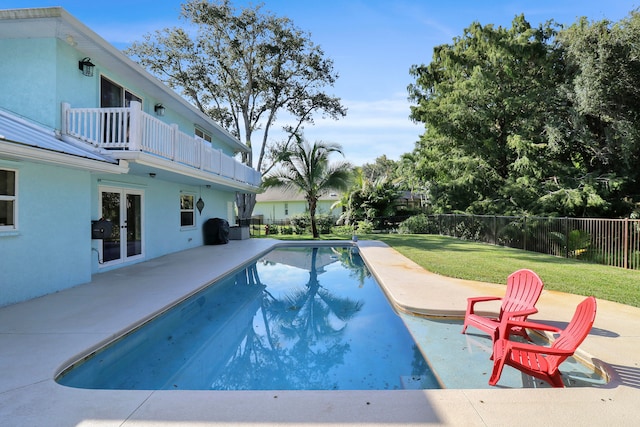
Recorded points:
(373,44)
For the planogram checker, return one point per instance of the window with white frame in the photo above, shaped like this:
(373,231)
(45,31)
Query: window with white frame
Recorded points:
(187,210)
(202,134)
(8,199)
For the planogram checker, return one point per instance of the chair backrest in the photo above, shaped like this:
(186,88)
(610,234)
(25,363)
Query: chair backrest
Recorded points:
(523,290)
(575,332)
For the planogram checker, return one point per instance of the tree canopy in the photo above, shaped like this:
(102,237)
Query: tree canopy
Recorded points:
(243,68)
(526,120)
(305,167)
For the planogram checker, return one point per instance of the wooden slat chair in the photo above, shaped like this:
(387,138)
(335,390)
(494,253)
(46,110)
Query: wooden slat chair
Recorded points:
(540,361)
(523,290)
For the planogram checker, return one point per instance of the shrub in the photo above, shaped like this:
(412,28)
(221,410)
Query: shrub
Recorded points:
(418,224)
(365,227)
(324,223)
(301,223)
(343,230)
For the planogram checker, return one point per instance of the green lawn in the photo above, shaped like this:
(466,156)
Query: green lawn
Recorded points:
(487,263)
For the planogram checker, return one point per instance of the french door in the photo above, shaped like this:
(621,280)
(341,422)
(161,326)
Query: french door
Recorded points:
(123,207)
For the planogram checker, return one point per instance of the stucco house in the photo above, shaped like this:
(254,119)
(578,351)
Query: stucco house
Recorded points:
(101,165)
(278,205)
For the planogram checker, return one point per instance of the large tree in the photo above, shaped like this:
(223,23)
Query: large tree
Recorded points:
(305,167)
(486,101)
(243,68)
(523,120)
(603,90)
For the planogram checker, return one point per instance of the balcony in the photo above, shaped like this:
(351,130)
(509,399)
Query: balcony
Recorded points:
(131,129)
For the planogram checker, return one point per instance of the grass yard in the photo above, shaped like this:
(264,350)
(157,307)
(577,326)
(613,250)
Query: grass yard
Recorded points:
(487,263)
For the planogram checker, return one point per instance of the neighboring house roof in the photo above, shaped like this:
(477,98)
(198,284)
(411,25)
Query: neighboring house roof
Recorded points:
(279,194)
(57,22)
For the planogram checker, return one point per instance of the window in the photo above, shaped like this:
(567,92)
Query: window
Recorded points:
(114,95)
(8,200)
(286,208)
(187,211)
(202,134)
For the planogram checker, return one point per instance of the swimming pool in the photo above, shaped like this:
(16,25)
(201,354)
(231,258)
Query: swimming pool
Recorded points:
(304,318)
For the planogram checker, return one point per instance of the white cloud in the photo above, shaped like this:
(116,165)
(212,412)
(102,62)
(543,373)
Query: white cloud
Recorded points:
(370,129)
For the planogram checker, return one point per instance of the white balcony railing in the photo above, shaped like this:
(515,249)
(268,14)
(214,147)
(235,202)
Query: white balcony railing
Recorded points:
(134,130)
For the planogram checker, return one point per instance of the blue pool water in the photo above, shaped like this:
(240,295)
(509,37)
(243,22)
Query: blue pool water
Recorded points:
(296,319)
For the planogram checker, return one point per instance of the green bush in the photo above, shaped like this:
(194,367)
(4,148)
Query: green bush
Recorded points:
(301,223)
(343,230)
(324,222)
(365,227)
(418,224)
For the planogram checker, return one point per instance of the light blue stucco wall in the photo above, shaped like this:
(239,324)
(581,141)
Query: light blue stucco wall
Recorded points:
(161,214)
(39,74)
(27,86)
(50,250)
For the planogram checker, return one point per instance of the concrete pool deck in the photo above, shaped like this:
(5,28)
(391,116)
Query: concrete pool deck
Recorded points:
(40,336)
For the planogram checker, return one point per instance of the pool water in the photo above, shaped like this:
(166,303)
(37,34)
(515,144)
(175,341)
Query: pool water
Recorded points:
(296,319)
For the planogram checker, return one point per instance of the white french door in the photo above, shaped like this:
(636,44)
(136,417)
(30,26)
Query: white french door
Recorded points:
(123,207)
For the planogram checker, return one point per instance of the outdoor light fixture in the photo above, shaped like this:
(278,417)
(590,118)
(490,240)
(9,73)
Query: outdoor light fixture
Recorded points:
(200,205)
(159,109)
(152,175)
(86,66)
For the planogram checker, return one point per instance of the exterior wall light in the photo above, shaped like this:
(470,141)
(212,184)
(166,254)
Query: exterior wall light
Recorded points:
(86,66)
(159,109)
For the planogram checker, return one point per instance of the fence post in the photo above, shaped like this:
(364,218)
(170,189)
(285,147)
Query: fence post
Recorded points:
(625,244)
(566,237)
(495,230)
(524,233)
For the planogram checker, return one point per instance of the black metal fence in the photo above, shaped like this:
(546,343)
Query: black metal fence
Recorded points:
(613,242)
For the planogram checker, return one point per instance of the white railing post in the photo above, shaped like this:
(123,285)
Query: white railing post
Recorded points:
(135,125)
(202,153)
(65,117)
(174,140)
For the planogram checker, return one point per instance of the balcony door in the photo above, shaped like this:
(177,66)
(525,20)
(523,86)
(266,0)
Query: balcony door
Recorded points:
(114,95)
(123,207)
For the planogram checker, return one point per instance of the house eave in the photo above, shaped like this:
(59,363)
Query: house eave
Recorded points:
(15,151)
(141,163)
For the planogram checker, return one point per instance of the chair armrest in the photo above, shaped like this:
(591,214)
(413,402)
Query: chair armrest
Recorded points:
(514,345)
(505,326)
(471,302)
(480,299)
(532,325)
(510,314)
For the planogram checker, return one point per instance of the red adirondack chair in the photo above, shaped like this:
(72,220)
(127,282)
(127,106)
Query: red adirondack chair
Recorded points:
(523,290)
(540,361)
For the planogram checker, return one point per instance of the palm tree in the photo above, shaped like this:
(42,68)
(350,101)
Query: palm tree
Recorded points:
(306,168)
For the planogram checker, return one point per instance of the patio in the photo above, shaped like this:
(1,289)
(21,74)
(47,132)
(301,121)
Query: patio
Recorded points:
(40,336)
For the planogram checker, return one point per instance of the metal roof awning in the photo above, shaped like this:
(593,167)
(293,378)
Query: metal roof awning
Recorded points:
(19,131)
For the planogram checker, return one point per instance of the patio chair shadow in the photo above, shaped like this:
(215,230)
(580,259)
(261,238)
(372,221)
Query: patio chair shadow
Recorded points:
(599,332)
(619,374)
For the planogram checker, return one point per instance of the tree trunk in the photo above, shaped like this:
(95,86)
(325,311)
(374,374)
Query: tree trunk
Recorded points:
(312,214)
(245,203)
